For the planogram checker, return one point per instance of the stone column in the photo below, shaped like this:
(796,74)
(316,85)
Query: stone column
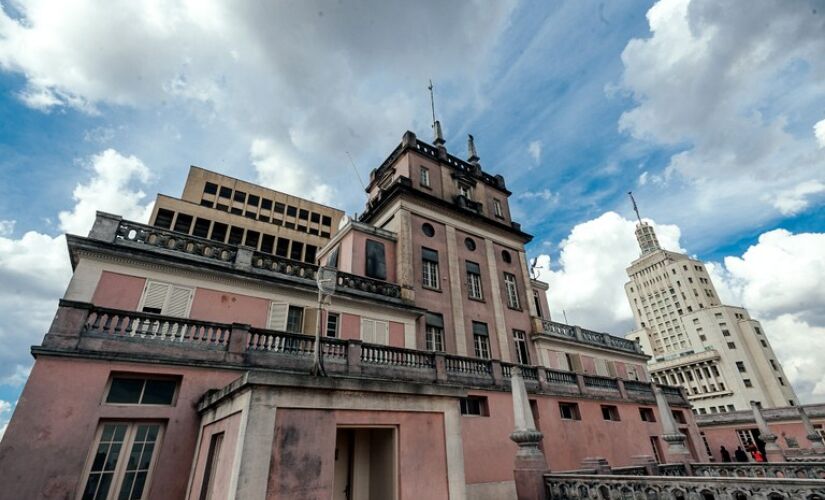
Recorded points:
(774,454)
(404,255)
(812,435)
(530,464)
(676,450)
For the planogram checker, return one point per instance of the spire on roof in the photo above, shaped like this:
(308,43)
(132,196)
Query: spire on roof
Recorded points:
(472,154)
(645,234)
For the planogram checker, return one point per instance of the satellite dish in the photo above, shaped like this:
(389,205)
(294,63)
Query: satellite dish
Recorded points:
(327,279)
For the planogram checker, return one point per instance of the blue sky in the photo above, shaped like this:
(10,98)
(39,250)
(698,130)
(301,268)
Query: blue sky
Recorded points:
(705,111)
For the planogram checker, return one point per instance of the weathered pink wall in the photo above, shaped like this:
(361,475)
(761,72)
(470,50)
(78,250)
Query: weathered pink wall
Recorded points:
(231,427)
(303,451)
(358,241)
(53,427)
(118,291)
(588,364)
(515,319)
(396,334)
(725,435)
(566,442)
(350,326)
(224,307)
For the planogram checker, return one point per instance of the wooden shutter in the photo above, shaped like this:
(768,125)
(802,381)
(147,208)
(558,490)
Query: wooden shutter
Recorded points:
(368,330)
(177,303)
(601,367)
(382,332)
(154,295)
(277,316)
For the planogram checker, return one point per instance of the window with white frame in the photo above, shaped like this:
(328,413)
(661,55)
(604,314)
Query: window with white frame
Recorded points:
(285,317)
(333,323)
(295,319)
(512,291)
(166,299)
(424,176)
(481,340)
(474,280)
(429,266)
(520,340)
(465,190)
(434,332)
(121,460)
(374,331)
(497,211)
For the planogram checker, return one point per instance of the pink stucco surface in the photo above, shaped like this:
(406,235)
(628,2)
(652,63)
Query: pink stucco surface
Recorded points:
(725,435)
(350,326)
(396,334)
(118,291)
(566,442)
(303,451)
(357,254)
(230,426)
(60,410)
(224,307)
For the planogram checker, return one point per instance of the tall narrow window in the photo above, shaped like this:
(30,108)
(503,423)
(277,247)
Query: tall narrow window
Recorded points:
(376,261)
(429,266)
(474,280)
(425,177)
(212,456)
(520,340)
(121,461)
(497,211)
(465,191)
(333,320)
(374,331)
(512,291)
(434,333)
(481,340)
(537,300)
(295,319)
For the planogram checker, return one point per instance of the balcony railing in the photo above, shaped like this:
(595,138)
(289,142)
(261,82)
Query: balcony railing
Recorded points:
(137,235)
(86,328)
(588,336)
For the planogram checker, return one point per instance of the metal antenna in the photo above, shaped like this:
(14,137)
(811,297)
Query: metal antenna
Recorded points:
(565,316)
(356,171)
(432,101)
(635,208)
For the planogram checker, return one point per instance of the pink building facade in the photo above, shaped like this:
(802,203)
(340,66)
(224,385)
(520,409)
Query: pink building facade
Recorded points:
(179,366)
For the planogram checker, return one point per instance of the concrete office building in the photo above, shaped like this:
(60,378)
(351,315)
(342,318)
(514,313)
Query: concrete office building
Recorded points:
(716,352)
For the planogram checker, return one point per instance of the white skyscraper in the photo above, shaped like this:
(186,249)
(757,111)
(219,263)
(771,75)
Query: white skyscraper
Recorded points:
(718,353)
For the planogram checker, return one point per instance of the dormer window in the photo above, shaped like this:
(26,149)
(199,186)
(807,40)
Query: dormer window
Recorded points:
(424,177)
(497,211)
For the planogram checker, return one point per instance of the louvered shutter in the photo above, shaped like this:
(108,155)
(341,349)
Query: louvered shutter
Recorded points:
(154,296)
(277,316)
(368,330)
(382,332)
(601,367)
(178,302)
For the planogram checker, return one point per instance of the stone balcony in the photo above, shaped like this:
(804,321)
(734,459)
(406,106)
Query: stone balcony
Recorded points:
(82,329)
(553,329)
(130,236)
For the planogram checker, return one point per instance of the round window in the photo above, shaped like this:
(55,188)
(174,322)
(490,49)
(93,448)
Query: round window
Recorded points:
(428,229)
(470,244)
(506,257)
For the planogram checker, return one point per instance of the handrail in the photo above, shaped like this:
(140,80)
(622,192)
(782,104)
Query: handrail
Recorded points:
(117,322)
(396,356)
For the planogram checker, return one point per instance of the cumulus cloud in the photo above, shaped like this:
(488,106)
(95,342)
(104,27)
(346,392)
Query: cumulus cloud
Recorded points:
(778,279)
(279,168)
(534,148)
(313,78)
(736,96)
(589,283)
(5,414)
(35,269)
(819,132)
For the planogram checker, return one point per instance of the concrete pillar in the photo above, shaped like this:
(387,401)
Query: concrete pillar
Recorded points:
(440,367)
(243,259)
(774,454)
(502,335)
(354,357)
(454,271)
(496,372)
(105,227)
(580,383)
(811,434)
(622,390)
(404,256)
(67,325)
(676,450)
(530,463)
(237,343)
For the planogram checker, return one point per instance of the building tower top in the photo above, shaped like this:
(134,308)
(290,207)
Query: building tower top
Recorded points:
(645,234)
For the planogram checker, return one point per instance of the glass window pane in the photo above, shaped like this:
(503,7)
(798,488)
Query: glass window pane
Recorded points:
(125,390)
(159,392)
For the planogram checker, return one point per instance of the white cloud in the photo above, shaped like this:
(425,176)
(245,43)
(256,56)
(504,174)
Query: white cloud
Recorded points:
(35,269)
(7,227)
(819,132)
(534,148)
(778,279)
(589,285)
(315,79)
(5,414)
(794,200)
(543,195)
(279,169)
(735,95)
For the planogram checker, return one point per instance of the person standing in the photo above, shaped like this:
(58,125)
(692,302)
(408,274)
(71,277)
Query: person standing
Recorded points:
(725,454)
(740,454)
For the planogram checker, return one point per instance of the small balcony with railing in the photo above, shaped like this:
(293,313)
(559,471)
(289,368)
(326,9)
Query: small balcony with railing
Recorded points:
(547,329)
